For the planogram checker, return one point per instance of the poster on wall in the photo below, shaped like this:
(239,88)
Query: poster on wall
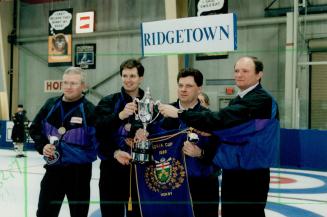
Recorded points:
(60,37)
(84,22)
(85,56)
(211,7)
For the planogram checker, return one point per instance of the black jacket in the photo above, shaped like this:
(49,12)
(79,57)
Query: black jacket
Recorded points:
(256,104)
(36,128)
(18,132)
(175,123)
(108,121)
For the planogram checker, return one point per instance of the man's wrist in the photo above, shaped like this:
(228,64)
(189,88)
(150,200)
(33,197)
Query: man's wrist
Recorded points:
(116,153)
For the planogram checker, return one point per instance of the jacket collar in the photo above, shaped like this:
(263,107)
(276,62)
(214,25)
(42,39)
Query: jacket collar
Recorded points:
(128,98)
(195,107)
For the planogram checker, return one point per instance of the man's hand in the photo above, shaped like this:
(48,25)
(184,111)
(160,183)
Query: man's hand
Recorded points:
(141,135)
(122,157)
(192,150)
(49,150)
(128,110)
(168,110)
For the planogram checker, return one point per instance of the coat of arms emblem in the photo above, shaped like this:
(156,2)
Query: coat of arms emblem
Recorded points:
(165,175)
(163,171)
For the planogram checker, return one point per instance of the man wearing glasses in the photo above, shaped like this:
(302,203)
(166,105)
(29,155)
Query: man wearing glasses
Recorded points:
(64,133)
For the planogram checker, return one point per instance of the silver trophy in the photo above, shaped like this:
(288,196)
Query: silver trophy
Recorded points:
(141,152)
(53,159)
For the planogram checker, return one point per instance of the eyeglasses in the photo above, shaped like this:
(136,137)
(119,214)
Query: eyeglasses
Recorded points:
(71,84)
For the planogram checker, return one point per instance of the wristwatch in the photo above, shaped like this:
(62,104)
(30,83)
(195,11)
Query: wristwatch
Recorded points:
(180,111)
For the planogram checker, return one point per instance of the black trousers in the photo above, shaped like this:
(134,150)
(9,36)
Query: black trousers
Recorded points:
(72,181)
(244,192)
(114,190)
(205,196)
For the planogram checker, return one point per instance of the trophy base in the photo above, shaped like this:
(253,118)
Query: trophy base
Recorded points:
(52,160)
(141,158)
(141,153)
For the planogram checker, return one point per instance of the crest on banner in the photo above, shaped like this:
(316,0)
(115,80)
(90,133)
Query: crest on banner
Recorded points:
(165,175)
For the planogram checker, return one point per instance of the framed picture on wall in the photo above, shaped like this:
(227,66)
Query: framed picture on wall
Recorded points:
(85,56)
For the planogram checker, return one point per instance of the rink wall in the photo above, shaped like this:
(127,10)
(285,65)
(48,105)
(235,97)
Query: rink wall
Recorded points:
(305,149)
(5,137)
(301,149)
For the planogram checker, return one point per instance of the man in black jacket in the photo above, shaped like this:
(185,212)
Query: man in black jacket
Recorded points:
(64,133)
(18,134)
(202,175)
(249,133)
(114,120)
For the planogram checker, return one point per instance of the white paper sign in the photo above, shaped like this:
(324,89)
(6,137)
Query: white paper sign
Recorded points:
(209,5)
(52,86)
(85,22)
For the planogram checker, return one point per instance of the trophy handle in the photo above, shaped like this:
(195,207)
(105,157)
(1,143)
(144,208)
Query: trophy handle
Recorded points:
(136,100)
(192,137)
(157,103)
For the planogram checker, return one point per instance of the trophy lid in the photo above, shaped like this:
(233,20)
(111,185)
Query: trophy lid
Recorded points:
(147,94)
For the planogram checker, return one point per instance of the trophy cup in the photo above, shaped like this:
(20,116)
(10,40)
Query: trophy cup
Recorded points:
(141,152)
(53,159)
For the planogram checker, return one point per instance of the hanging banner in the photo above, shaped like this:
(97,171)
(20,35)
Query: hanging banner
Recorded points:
(163,185)
(60,37)
(214,33)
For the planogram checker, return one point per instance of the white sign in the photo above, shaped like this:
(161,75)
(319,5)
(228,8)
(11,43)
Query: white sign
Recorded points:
(85,22)
(206,34)
(209,5)
(59,20)
(52,86)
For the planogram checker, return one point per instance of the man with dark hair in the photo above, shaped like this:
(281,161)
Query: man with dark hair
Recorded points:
(64,133)
(114,120)
(196,74)
(249,135)
(132,63)
(202,175)
(18,134)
